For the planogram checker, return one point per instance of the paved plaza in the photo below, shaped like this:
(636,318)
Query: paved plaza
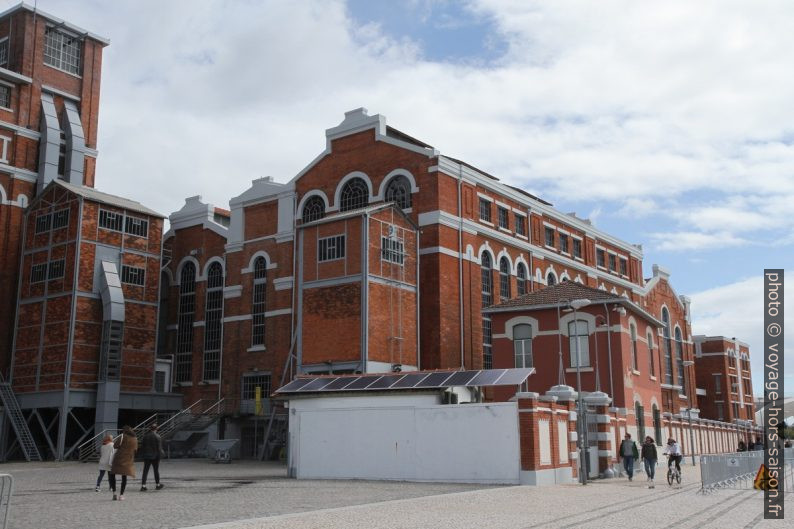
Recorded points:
(251,495)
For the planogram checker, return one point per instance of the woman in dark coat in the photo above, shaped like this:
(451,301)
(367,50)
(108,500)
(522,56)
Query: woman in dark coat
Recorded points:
(123,460)
(649,457)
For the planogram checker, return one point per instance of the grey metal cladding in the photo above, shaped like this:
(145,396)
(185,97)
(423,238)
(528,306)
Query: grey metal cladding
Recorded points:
(49,149)
(75,144)
(112,294)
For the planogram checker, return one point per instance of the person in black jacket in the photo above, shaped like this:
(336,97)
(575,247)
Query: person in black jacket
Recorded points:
(649,457)
(151,451)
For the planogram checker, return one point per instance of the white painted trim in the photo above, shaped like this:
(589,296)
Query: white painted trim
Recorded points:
(393,174)
(186,259)
(307,196)
(214,259)
(345,180)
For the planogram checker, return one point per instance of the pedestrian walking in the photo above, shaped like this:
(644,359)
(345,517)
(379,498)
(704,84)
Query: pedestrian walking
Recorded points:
(751,446)
(628,451)
(649,458)
(123,461)
(151,451)
(742,447)
(105,459)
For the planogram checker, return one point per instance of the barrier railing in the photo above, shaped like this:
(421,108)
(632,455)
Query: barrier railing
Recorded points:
(739,469)
(6,490)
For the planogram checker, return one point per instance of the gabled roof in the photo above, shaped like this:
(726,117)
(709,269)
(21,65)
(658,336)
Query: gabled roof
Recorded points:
(358,212)
(104,198)
(564,292)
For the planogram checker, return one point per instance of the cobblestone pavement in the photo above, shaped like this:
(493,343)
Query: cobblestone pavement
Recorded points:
(603,504)
(61,495)
(248,495)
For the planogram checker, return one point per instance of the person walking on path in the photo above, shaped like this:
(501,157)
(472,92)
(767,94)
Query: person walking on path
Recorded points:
(741,447)
(649,458)
(105,459)
(123,461)
(151,451)
(628,451)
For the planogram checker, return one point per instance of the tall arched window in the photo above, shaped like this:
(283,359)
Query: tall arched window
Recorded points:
(578,340)
(504,279)
(639,412)
(522,345)
(668,353)
(355,194)
(679,358)
(487,299)
(635,365)
(213,322)
(521,279)
(258,303)
(184,333)
(313,209)
(399,190)
(651,355)
(550,279)
(657,425)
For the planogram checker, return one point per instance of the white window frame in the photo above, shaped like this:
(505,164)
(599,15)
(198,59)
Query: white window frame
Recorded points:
(337,249)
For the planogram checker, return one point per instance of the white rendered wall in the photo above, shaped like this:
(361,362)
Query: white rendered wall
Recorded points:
(408,439)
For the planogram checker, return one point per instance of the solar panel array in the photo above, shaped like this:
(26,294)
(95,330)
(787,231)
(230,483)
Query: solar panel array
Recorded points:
(410,380)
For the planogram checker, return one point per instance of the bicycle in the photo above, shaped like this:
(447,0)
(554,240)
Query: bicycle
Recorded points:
(673,474)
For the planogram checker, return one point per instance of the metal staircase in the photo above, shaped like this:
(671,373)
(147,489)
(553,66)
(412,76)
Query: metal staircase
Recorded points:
(198,416)
(14,412)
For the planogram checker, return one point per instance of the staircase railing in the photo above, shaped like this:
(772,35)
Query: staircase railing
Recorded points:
(89,450)
(11,407)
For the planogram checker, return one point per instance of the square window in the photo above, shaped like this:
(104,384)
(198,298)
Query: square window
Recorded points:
(485,210)
(550,237)
(563,243)
(60,219)
(138,227)
(56,269)
(110,220)
(504,221)
(133,275)
(392,250)
(38,273)
(521,226)
(63,50)
(331,248)
(43,223)
(251,382)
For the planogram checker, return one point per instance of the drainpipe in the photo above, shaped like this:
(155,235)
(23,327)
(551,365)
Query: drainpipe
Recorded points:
(364,291)
(531,271)
(460,263)
(609,353)
(418,305)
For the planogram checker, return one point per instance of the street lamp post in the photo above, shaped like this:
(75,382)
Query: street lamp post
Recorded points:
(561,374)
(581,434)
(689,363)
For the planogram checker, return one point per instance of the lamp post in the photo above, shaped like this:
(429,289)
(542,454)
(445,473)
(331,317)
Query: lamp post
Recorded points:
(581,434)
(689,363)
(561,374)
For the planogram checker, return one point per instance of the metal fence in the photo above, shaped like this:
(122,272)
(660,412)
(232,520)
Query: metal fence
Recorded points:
(6,490)
(738,470)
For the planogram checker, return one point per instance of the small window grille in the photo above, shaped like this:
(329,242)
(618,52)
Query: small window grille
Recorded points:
(259,302)
(504,221)
(60,219)
(135,226)
(521,225)
(392,250)
(4,53)
(550,237)
(355,195)
(63,51)
(251,382)
(133,275)
(399,191)
(110,220)
(38,273)
(331,248)
(56,269)
(43,223)
(5,96)
(485,210)
(313,209)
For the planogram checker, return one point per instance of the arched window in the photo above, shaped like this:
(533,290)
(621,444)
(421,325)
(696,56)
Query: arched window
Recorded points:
(504,279)
(550,279)
(213,323)
(521,279)
(399,190)
(635,365)
(657,424)
(639,412)
(355,194)
(487,299)
(679,358)
(668,352)
(184,334)
(313,209)
(651,355)
(522,345)
(258,303)
(578,338)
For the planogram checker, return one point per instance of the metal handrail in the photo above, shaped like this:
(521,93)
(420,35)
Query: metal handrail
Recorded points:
(83,450)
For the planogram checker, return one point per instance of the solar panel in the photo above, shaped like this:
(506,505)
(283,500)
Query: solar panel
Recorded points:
(363,382)
(317,384)
(408,381)
(461,378)
(514,377)
(339,383)
(487,377)
(295,385)
(434,380)
(385,382)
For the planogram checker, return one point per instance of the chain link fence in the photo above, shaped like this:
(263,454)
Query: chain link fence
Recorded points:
(738,470)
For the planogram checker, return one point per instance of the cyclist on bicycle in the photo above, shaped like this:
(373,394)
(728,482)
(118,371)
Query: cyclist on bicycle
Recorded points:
(674,453)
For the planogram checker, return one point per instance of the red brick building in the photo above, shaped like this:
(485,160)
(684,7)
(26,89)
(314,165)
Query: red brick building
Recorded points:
(722,368)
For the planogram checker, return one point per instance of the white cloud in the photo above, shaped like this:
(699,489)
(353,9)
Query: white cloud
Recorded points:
(736,310)
(683,241)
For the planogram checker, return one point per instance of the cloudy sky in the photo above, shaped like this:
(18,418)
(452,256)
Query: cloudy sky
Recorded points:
(669,125)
